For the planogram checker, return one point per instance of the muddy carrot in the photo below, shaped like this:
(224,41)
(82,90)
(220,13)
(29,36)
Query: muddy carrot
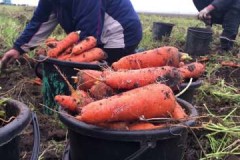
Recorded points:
(86,78)
(94,54)
(84,45)
(131,105)
(114,125)
(73,102)
(129,79)
(100,90)
(178,112)
(145,126)
(62,45)
(192,70)
(162,56)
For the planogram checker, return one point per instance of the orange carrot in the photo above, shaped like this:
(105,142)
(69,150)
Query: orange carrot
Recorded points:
(93,54)
(192,70)
(178,112)
(63,57)
(144,126)
(100,90)
(84,45)
(129,79)
(37,81)
(230,64)
(86,78)
(162,56)
(78,99)
(131,105)
(114,125)
(62,45)
(74,102)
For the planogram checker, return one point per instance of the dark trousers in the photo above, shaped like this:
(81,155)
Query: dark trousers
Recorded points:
(229,18)
(114,54)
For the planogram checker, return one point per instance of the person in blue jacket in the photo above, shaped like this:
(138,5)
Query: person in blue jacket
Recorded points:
(114,23)
(224,12)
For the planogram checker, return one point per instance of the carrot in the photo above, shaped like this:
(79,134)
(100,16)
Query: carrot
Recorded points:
(192,70)
(50,39)
(68,41)
(130,105)
(178,112)
(114,125)
(230,64)
(68,102)
(65,54)
(100,90)
(93,54)
(129,79)
(78,98)
(144,126)
(63,57)
(162,56)
(74,102)
(86,78)
(37,81)
(84,45)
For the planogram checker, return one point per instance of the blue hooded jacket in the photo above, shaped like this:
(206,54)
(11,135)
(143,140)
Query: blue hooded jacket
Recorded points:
(114,23)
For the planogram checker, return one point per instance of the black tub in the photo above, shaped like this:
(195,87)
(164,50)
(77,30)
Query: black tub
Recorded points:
(198,41)
(9,134)
(53,83)
(161,29)
(88,142)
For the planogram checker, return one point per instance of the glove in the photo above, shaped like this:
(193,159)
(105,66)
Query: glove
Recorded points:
(204,14)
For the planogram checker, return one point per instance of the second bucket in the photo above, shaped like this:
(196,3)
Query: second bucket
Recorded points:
(161,29)
(198,41)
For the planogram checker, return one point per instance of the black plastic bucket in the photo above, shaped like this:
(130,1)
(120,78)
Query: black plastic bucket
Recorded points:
(53,83)
(161,29)
(10,133)
(198,41)
(190,92)
(88,142)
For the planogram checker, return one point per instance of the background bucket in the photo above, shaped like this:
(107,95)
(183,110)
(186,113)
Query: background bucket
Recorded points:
(161,29)
(198,41)
(53,83)
(89,142)
(9,134)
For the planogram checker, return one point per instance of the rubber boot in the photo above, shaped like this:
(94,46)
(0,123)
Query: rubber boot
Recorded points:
(226,44)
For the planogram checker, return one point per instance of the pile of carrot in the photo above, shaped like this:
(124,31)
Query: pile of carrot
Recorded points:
(72,49)
(126,97)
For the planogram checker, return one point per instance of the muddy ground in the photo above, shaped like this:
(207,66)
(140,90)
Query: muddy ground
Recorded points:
(18,84)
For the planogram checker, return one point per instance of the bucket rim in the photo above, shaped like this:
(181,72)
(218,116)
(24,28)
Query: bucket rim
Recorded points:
(81,65)
(122,135)
(165,23)
(194,84)
(15,127)
(200,30)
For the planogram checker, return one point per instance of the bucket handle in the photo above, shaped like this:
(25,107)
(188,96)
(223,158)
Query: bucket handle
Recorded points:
(36,69)
(36,136)
(144,148)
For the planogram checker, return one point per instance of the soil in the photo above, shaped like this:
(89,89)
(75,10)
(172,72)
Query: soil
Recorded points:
(18,84)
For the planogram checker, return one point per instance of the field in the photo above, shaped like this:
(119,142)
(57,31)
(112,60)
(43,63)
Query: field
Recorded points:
(217,100)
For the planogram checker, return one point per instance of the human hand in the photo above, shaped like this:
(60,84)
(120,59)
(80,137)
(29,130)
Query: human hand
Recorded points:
(9,57)
(204,14)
